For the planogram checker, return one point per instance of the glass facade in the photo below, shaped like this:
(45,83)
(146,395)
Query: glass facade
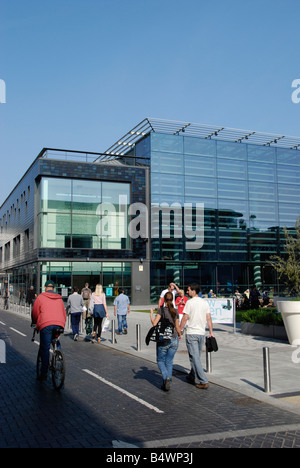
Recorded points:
(249,193)
(112,275)
(83,214)
(217,210)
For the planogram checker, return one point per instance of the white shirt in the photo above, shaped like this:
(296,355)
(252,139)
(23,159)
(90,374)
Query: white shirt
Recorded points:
(196,308)
(174,292)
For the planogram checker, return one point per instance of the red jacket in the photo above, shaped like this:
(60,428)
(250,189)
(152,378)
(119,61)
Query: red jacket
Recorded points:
(48,309)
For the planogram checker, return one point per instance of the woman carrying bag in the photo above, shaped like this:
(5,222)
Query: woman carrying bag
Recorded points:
(100,311)
(167,346)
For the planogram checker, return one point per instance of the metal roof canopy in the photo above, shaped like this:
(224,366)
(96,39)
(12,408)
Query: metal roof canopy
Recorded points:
(148,125)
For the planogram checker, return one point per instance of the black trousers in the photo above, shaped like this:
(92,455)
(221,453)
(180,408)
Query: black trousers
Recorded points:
(98,326)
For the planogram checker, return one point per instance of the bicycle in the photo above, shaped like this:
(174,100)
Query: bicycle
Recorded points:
(57,364)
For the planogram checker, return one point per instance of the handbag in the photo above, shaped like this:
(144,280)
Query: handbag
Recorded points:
(105,326)
(161,332)
(211,344)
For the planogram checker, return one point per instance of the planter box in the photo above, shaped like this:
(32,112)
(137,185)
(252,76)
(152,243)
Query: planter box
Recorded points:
(267,331)
(290,312)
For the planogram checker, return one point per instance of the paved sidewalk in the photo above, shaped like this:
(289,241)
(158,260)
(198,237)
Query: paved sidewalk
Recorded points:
(237,365)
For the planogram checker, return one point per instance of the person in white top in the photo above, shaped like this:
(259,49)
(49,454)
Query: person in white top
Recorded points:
(196,316)
(171,288)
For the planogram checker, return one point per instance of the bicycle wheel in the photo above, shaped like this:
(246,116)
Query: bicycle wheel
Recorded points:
(38,365)
(58,369)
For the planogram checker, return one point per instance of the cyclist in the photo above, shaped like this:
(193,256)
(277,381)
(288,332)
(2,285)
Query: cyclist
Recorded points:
(48,313)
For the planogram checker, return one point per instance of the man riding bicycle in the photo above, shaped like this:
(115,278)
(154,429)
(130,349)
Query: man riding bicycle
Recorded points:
(48,313)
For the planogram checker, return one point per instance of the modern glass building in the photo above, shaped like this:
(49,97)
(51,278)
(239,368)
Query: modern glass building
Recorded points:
(169,201)
(66,221)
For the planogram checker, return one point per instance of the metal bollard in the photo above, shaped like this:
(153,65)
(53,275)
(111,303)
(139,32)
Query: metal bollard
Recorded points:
(267,374)
(208,362)
(138,337)
(113,332)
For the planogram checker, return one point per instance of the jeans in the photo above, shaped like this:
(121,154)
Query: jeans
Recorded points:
(165,357)
(122,322)
(194,345)
(75,321)
(45,343)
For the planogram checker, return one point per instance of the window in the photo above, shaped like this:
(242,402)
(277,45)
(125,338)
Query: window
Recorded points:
(84,214)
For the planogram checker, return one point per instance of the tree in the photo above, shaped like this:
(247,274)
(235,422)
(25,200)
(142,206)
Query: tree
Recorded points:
(288,266)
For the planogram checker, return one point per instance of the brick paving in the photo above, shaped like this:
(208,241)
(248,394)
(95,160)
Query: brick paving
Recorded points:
(90,413)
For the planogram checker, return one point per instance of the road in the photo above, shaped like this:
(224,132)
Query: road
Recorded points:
(113,400)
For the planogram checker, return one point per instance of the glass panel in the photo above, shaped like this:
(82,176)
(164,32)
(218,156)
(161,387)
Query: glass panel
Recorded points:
(112,278)
(261,172)
(192,274)
(261,153)
(113,227)
(288,214)
(289,193)
(288,175)
(205,166)
(168,143)
(225,286)
(168,185)
(262,191)
(286,156)
(196,186)
(208,278)
(84,232)
(232,169)
(263,215)
(240,277)
(233,213)
(55,230)
(56,195)
(227,149)
(200,146)
(169,163)
(86,196)
(232,189)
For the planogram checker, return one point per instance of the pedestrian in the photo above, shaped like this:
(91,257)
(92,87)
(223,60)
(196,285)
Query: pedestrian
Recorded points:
(254,298)
(167,347)
(86,294)
(31,296)
(196,315)
(100,311)
(171,288)
(180,304)
(48,313)
(21,296)
(121,309)
(74,307)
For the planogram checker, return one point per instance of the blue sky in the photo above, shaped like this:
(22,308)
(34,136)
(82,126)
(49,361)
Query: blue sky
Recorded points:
(80,73)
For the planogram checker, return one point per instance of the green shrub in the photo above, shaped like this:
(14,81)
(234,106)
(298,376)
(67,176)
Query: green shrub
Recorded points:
(268,316)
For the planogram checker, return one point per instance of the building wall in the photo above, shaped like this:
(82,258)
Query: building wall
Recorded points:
(249,193)
(50,250)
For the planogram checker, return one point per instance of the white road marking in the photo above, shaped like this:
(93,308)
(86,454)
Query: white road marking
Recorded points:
(17,331)
(1,323)
(130,395)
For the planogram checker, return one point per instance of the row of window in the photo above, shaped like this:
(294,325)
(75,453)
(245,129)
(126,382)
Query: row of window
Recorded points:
(13,249)
(223,149)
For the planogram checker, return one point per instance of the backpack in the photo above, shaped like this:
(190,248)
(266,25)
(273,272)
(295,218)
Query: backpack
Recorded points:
(163,331)
(86,293)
